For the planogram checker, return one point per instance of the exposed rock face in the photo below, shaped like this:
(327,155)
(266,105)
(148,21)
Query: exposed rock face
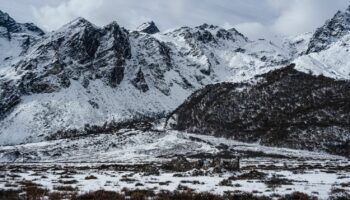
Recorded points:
(181,164)
(148,27)
(79,51)
(15,39)
(284,108)
(332,31)
(9,98)
(139,82)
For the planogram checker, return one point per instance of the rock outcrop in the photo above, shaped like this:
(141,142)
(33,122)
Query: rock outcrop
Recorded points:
(148,27)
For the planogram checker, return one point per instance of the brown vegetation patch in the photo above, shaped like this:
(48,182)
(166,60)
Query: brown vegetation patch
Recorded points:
(64,188)
(91,177)
(99,195)
(68,182)
(254,174)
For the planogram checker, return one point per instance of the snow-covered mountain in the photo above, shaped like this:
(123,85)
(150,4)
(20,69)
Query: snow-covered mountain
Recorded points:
(148,27)
(310,97)
(328,50)
(15,37)
(83,75)
(331,32)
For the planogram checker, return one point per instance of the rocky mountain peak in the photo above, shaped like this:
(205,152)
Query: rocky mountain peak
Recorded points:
(348,9)
(113,24)
(207,26)
(9,25)
(208,34)
(221,33)
(4,17)
(333,30)
(18,36)
(237,33)
(78,23)
(148,27)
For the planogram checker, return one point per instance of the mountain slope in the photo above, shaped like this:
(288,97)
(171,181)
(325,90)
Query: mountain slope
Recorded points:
(328,50)
(284,108)
(332,62)
(85,75)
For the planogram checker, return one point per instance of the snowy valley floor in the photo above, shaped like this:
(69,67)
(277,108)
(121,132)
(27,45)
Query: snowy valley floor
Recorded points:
(134,160)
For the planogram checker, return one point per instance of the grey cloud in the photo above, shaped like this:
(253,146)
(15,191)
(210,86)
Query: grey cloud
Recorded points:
(255,18)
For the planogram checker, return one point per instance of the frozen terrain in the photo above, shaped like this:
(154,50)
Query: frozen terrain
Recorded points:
(120,161)
(131,146)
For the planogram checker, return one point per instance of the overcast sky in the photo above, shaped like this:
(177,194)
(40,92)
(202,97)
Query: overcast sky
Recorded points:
(254,18)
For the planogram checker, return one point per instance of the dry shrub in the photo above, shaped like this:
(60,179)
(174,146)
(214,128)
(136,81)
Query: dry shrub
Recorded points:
(138,194)
(187,195)
(64,188)
(68,182)
(91,177)
(58,196)
(33,191)
(9,195)
(298,196)
(99,195)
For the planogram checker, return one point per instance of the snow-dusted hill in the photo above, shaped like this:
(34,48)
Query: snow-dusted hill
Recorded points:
(85,75)
(284,108)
